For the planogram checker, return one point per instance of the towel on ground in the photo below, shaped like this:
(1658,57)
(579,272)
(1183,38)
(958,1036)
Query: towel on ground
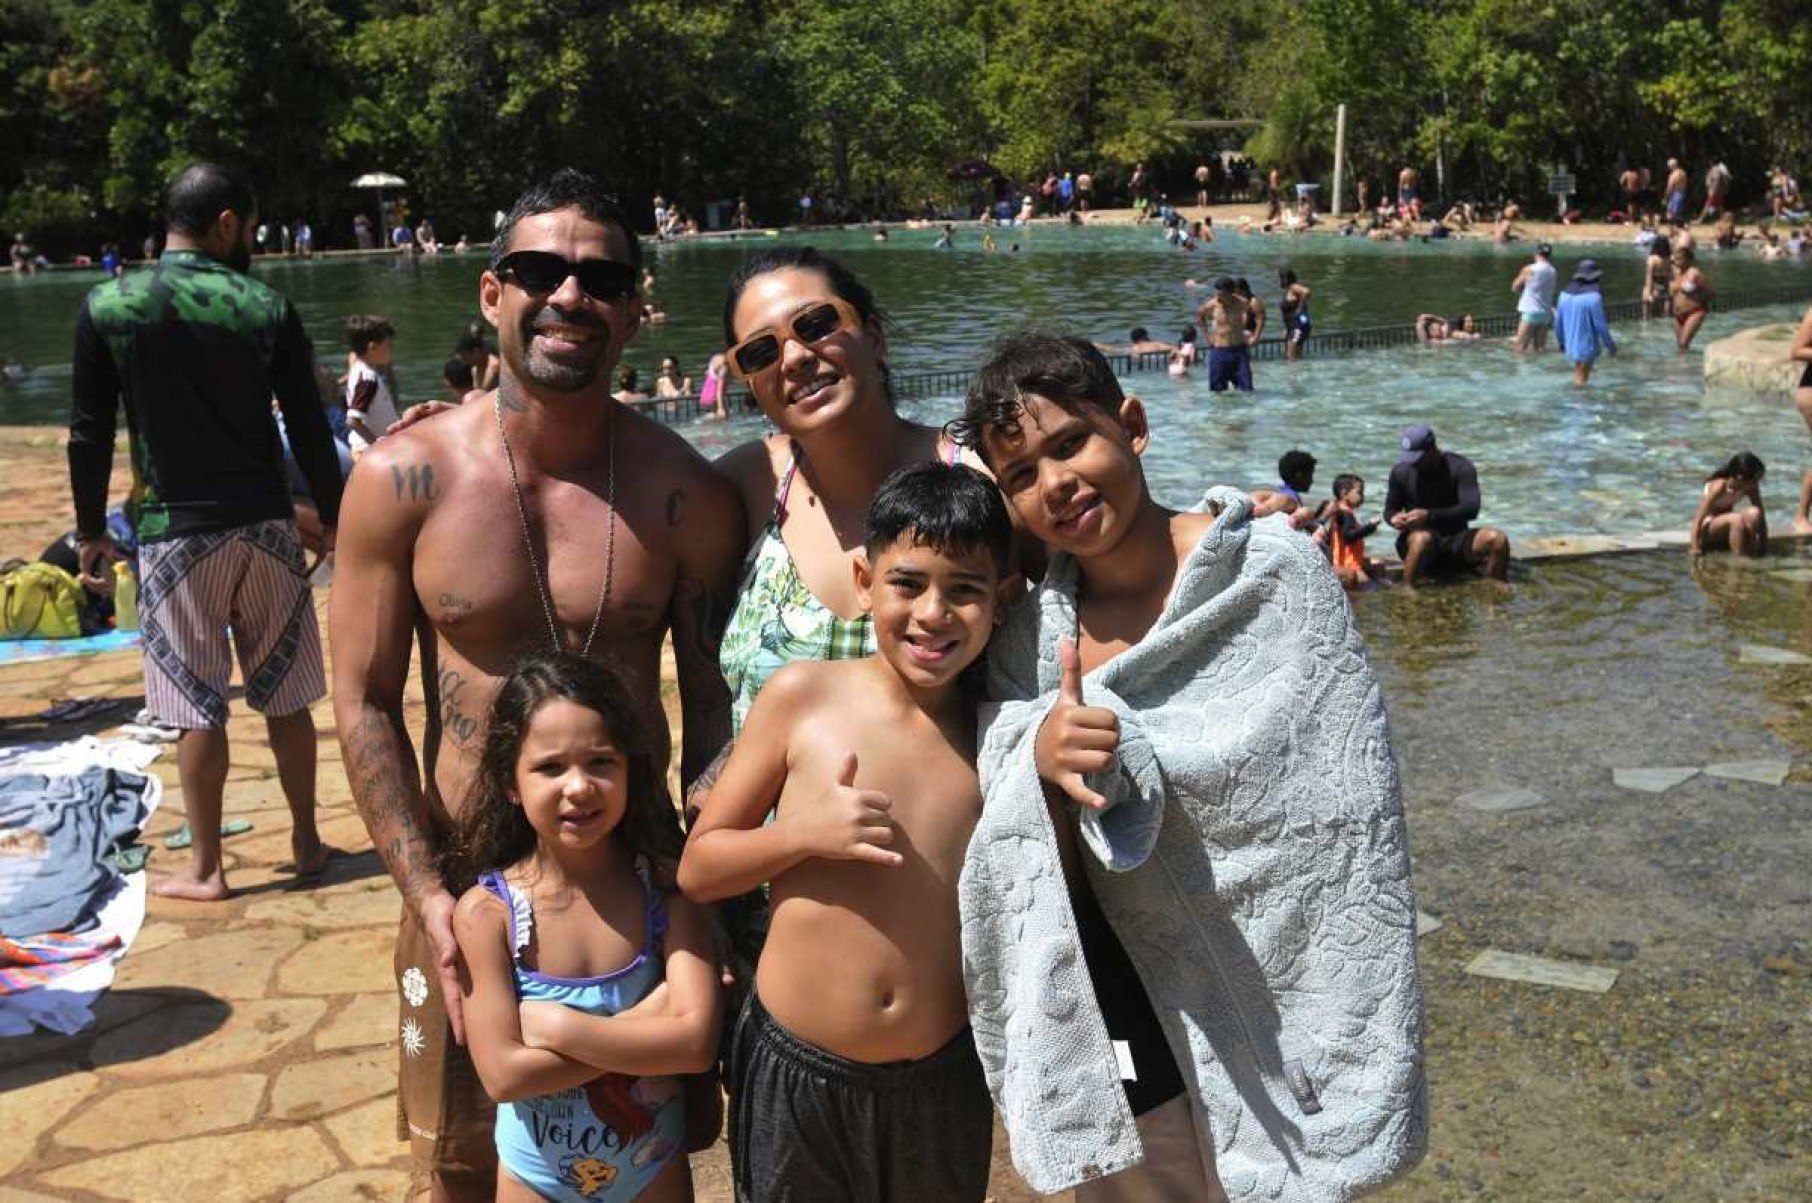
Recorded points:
(1253,861)
(56,833)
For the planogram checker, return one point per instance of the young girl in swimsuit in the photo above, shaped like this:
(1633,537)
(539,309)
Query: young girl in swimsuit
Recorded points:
(1182,356)
(1718,524)
(590,988)
(1692,298)
(711,392)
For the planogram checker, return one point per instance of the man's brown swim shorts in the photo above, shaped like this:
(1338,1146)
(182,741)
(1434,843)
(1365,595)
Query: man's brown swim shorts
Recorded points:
(442,1108)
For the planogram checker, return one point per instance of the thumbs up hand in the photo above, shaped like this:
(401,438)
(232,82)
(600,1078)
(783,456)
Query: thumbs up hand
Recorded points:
(848,823)
(1075,739)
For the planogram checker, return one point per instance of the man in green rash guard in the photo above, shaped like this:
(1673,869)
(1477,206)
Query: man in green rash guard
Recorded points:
(195,350)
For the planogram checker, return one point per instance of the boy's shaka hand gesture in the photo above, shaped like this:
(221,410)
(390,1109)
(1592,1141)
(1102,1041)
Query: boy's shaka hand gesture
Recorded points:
(850,823)
(1075,739)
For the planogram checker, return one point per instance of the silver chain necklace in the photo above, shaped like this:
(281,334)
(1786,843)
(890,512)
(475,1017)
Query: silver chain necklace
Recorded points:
(528,544)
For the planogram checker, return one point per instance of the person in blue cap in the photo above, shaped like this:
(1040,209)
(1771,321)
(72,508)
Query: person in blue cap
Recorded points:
(1431,501)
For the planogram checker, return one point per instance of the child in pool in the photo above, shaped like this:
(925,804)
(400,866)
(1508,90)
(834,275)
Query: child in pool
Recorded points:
(853,1072)
(589,990)
(1346,534)
(1718,524)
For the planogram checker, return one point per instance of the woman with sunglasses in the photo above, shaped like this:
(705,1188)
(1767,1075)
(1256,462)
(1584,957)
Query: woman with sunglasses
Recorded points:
(809,341)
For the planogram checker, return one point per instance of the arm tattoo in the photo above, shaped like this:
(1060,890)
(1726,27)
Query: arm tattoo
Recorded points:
(698,628)
(700,789)
(381,771)
(416,481)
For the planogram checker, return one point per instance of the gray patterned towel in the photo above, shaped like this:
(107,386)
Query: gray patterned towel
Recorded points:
(1253,861)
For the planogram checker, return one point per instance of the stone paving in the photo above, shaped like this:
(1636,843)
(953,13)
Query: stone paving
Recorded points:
(246,1049)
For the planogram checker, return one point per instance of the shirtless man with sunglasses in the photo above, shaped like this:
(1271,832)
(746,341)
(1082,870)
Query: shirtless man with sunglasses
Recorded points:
(545,513)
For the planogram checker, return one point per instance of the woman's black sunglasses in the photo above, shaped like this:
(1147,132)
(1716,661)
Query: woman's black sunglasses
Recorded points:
(543,272)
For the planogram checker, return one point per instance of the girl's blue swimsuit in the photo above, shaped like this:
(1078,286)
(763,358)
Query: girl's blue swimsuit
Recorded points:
(613,1136)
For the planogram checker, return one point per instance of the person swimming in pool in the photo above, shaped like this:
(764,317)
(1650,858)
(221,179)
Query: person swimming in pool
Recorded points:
(1433,328)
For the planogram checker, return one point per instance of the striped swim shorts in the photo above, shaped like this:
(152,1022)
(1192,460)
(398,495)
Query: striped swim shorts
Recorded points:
(247,586)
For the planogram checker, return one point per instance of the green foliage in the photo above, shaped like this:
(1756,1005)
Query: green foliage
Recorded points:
(54,216)
(883,94)
(705,100)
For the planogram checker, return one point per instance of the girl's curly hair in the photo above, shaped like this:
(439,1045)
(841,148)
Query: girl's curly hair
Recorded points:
(493,831)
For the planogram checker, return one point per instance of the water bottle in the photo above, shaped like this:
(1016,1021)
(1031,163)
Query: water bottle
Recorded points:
(125,597)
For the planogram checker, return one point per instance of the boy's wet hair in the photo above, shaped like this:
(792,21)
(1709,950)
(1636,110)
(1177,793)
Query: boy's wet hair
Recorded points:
(363,330)
(1061,368)
(493,831)
(950,508)
(1295,465)
(568,188)
(1345,483)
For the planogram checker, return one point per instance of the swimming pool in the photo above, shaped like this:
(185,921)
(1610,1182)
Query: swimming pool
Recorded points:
(1623,457)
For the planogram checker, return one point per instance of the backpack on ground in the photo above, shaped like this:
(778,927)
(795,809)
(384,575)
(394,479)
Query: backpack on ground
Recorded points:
(39,601)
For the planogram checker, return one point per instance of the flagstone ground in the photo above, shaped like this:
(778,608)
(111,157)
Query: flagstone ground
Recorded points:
(247,1049)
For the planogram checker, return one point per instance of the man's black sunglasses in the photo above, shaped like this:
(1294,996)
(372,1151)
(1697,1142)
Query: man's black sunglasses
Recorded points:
(543,272)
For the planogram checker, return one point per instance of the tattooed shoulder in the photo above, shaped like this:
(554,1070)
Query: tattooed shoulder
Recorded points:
(414,482)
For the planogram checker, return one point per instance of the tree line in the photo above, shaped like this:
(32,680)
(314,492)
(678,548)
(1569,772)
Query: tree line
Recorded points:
(870,104)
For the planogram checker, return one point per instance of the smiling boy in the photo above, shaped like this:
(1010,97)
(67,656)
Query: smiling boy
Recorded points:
(853,1075)
(1188,927)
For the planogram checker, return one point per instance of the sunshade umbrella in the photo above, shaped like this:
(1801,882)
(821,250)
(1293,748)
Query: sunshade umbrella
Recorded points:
(380,180)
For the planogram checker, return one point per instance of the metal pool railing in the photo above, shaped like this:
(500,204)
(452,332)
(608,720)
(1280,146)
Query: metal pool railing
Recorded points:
(953,381)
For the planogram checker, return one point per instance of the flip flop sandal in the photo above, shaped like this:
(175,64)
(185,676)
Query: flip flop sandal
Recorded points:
(183,837)
(131,858)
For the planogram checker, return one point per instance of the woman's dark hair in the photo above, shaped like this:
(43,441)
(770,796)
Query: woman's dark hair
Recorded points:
(626,378)
(568,188)
(1745,464)
(843,282)
(1241,287)
(1286,276)
(950,508)
(1187,336)
(458,374)
(494,831)
(1061,368)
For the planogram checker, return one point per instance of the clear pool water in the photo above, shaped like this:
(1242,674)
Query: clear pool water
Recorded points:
(1624,456)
